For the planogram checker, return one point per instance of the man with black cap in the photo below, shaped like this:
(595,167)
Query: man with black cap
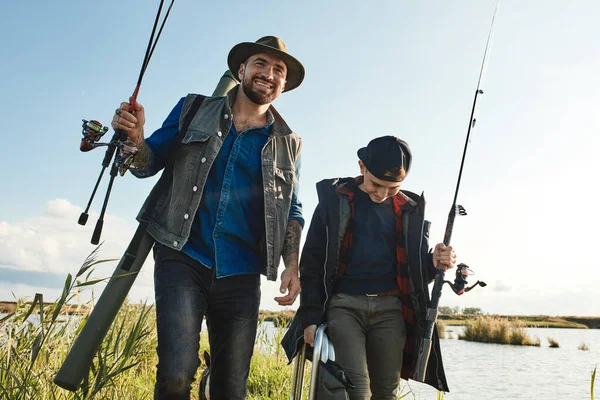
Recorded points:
(364,271)
(231,212)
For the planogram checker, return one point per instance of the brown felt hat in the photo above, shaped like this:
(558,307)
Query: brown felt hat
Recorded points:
(272,45)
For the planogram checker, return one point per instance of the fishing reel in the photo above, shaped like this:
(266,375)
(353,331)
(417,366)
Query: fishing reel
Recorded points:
(93,131)
(121,148)
(460,281)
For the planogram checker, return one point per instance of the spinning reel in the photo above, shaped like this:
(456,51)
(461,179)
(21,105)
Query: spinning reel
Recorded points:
(125,150)
(460,281)
(93,131)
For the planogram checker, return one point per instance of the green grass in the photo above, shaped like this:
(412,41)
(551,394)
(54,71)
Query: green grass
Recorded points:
(592,384)
(36,337)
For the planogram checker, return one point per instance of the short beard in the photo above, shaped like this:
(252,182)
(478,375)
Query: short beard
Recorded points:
(256,97)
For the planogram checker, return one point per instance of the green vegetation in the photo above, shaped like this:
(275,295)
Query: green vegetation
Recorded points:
(488,329)
(36,336)
(592,385)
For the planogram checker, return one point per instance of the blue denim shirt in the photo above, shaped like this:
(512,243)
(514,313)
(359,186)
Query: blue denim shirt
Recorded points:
(229,223)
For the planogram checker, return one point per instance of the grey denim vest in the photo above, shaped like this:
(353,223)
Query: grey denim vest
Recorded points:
(171,221)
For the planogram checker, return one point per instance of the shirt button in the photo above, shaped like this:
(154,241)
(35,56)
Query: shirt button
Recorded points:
(226,116)
(195,188)
(219,134)
(204,160)
(175,243)
(186,216)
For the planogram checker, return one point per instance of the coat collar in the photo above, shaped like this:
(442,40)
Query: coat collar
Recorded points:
(349,187)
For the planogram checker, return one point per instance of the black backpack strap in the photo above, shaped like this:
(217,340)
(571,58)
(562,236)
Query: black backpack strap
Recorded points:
(167,175)
(163,182)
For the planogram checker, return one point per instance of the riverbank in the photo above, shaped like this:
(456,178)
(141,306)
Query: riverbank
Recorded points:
(282,318)
(533,321)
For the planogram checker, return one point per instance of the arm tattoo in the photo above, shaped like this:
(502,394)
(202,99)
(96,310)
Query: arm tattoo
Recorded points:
(143,157)
(291,244)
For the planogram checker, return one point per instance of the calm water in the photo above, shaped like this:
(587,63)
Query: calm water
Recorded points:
(480,371)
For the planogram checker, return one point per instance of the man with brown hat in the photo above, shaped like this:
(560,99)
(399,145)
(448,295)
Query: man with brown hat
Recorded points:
(230,213)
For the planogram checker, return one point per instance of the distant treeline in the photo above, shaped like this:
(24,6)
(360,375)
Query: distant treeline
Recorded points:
(458,316)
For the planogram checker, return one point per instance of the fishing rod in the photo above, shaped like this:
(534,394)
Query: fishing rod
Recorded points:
(79,360)
(125,149)
(462,269)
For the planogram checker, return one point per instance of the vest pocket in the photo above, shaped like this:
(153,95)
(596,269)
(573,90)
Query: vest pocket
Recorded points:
(287,175)
(284,183)
(193,148)
(195,135)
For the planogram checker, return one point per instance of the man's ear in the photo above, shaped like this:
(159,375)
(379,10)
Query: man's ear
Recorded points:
(241,71)
(362,167)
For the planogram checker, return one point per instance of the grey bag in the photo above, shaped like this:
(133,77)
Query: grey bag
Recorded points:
(332,382)
(328,381)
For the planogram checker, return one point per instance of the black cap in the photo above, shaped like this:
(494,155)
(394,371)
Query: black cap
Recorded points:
(384,153)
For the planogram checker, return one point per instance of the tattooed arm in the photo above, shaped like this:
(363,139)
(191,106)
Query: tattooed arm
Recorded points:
(143,157)
(153,152)
(290,280)
(291,244)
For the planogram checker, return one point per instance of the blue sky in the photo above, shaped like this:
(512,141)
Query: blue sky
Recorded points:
(389,67)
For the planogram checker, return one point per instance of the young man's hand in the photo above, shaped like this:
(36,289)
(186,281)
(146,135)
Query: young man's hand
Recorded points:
(290,281)
(444,257)
(309,335)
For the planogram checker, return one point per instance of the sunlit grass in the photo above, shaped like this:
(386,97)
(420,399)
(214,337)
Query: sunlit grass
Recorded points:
(36,337)
(441,327)
(488,329)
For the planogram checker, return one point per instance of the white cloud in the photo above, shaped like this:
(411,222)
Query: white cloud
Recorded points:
(56,244)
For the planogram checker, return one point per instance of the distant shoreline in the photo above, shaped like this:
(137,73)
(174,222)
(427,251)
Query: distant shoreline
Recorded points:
(533,321)
(282,317)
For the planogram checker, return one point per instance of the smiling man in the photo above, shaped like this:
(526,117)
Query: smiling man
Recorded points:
(364,271)
(231,212)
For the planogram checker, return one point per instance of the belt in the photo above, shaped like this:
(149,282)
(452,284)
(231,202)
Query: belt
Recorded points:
(394,292)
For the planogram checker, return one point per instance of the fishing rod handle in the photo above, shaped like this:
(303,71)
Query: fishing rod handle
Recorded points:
(422,359)
(450,225)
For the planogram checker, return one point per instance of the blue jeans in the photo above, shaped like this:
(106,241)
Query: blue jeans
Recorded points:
(185,292)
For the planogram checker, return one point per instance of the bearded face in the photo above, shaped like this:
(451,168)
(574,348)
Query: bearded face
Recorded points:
(263,78)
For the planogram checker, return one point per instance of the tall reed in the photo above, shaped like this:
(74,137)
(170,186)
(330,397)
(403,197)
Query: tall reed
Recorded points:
(489,329)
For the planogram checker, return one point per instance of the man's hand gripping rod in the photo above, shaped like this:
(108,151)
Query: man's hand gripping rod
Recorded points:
(125,149)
